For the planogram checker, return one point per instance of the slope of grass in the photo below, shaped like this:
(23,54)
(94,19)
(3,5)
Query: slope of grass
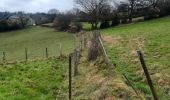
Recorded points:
(35,39)
(153,38)
(97,81)
(39,80)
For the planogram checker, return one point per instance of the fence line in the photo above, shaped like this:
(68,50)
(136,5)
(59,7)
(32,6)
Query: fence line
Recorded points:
(26,55)
(74,59)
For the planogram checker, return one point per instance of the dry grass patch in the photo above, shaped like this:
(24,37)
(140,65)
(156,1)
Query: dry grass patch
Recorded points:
(97,82)
(114,41)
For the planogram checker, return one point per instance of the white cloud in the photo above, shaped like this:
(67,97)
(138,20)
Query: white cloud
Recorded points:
(35,5)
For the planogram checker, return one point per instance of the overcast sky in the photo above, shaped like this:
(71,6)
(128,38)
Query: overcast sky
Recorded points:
(35,5)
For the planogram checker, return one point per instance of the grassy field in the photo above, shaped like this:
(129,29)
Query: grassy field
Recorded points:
(39,80)
(35,39)
(153,38)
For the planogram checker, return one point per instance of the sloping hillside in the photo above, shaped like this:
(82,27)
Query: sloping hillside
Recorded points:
(35,39)
(153,38)
(96,80)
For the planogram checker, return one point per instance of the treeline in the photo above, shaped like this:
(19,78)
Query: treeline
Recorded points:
(105,11)
(110,13)
(18,20)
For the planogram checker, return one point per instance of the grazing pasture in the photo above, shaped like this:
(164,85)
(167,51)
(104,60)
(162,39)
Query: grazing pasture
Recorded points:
(38,80)
(153,38)
(36,40)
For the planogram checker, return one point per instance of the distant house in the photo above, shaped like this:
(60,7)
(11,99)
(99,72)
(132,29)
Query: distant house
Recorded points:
(15,18)
(31,22)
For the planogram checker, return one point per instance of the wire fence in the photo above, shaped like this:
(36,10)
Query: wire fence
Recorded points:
(24,54)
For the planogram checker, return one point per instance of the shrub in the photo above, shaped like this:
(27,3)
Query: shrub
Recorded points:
(115,21)
(62,22)
(124,20)
(152,13)
(104,24)
(78,25)
(3,25)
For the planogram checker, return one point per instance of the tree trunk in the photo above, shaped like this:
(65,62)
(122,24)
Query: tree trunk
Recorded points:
(92,25)
(131,12)
(96,24)
(130,19)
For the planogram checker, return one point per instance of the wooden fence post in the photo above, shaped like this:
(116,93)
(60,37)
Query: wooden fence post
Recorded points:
(81,42)
(141,57)
(46,50)
(26,55)
(4,57)
(75,62)
(70,76)
(60,49)
(104,51)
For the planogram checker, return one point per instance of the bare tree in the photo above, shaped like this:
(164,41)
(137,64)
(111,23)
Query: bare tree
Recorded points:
(62,21)
(133,5)
(23,19)
(93,10)
(138,4)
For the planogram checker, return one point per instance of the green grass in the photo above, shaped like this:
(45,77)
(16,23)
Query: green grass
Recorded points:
(35,39)
(39,80)
(86,26)
(153,38)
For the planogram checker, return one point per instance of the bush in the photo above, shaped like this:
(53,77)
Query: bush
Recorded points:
(62,22)
(78,25)
(124,20)
(152,13)
(3,25)
(14,25)
(104,24)
(115,21)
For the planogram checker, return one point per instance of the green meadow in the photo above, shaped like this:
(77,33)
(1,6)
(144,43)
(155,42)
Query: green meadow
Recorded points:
(38,80)
(153,39)
(36,40)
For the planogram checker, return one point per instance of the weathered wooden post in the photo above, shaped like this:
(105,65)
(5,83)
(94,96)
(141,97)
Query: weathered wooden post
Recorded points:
(75,62)
(85,41)
(141,57)
(46,50)
(70,75)
(61,50)
(4,57)
(81,42)
(26,55)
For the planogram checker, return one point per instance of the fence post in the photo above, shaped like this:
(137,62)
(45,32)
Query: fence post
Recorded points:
(4,57)
(75,62)
(46,50)
(141,57)
(81,42)
(61,50)
(84,41)
(70,75)
(26,55)
(104,51)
